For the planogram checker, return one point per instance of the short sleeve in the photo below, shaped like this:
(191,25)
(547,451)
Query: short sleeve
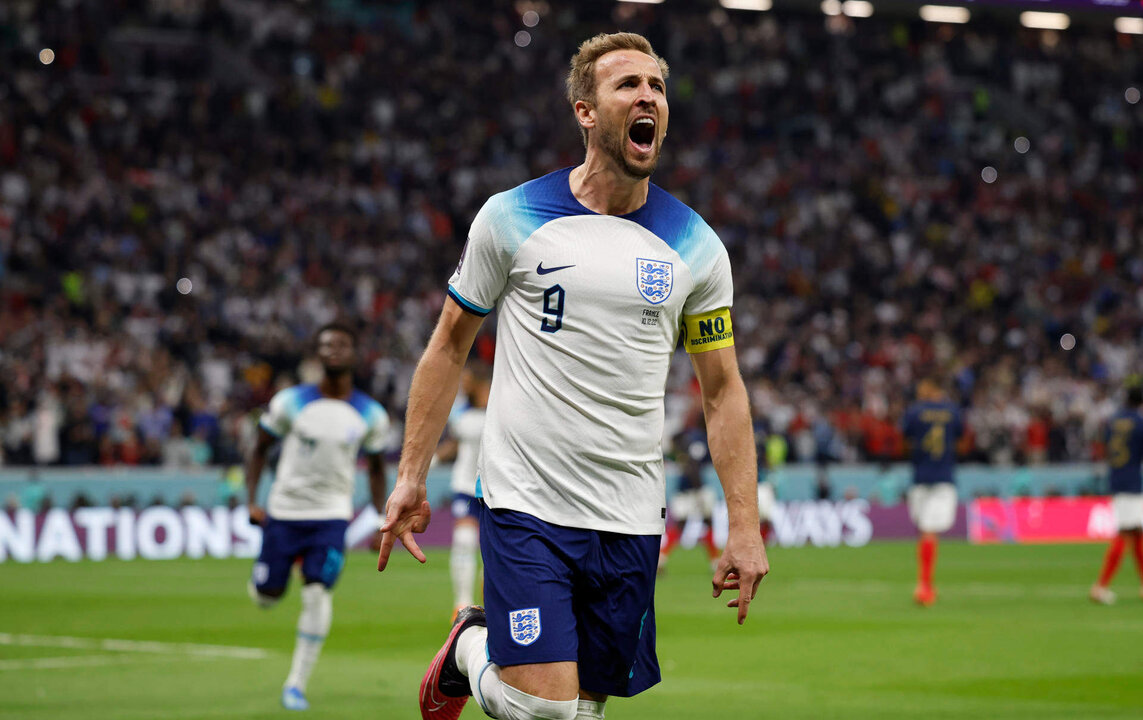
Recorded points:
(482,273)
(714,288)
(278,417)
(377,436)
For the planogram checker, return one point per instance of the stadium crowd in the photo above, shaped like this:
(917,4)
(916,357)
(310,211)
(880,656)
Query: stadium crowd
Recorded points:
(189,189)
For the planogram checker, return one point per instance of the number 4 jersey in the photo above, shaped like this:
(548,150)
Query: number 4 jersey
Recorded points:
(589,312)
(933,429)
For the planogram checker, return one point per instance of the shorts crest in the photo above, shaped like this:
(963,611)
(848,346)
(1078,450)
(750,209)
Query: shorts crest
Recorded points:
(655,279)
(525,625)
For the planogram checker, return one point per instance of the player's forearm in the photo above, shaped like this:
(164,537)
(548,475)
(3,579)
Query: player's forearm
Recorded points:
(731,442)
(430,398)
(255,464)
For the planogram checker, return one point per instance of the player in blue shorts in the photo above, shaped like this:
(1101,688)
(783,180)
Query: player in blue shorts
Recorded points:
(322,428)
(594,274)
(1124,455)
(932,428)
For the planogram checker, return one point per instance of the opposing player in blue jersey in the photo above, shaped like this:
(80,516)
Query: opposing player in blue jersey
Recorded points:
(1124,455)
(594,273)
(932,428)
(322,428)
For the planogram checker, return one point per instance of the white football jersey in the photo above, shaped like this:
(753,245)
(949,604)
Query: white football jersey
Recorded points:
(467,428)
(590,308)
(321,438)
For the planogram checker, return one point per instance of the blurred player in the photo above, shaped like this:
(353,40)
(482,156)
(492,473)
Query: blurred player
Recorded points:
(932,427)
(463,449)
(693,498)
(593,272)
(322,428)
(1124,455)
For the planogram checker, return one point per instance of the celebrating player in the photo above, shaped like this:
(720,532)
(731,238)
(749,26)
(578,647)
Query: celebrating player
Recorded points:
(932,427)
(593,271)
(463,449)
(322,428)
(1124,454)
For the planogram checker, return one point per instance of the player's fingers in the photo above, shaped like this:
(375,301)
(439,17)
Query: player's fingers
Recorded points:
(384,552)
(730,585)
(412,547)
(720,574)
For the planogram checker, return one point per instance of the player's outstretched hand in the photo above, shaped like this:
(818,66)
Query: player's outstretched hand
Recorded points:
(406,512)
(742,566)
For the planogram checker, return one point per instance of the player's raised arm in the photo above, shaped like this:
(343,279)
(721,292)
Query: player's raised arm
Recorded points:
(430,398)
(743,563)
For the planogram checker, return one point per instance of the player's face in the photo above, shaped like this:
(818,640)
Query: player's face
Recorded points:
(335,351)
(631,110)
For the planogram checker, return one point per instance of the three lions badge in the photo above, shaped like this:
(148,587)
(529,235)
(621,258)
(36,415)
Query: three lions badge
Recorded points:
(525,625)
(655,279)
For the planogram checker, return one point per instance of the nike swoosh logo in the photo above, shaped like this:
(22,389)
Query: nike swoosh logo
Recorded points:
(540,269)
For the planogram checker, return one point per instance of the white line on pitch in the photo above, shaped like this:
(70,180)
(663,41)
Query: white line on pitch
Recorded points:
(55,663)
(141,646)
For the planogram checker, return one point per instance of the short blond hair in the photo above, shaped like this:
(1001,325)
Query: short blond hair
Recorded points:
(581,76)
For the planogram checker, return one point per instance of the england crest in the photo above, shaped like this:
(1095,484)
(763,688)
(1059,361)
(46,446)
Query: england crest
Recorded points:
(525,625)
(655,279)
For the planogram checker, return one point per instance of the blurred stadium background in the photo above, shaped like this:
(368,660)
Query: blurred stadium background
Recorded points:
(189,188)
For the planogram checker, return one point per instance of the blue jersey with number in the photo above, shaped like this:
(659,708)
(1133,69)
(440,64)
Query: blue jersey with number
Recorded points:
(1125,452)
(590,309)
(932,430)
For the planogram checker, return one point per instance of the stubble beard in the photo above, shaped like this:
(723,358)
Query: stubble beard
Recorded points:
(615,144)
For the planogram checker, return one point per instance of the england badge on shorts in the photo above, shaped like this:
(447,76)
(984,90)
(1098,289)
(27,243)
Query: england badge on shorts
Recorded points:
(525,625)
(655,279)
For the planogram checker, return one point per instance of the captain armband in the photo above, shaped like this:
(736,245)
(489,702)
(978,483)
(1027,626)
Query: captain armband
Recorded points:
(709,331)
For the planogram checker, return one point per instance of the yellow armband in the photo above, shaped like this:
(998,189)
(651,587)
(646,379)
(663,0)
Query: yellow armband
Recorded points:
(709,331)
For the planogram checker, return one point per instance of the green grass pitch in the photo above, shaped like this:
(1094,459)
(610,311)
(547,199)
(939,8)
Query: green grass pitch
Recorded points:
(833,634)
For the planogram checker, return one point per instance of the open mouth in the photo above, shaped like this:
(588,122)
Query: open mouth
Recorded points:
(642,133)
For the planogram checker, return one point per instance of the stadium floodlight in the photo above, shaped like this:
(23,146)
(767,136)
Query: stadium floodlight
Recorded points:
(746,4)
(945,14)
(857,8)
(1129,25)
(831,7)
(1045,20)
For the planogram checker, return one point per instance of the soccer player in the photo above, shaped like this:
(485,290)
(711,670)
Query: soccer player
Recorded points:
(593,272)
(932,428)
(692,498)
(1124,455)
(463,449)
(322,428)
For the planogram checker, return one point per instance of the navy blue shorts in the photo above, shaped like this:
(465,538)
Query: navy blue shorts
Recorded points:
(465,505)
(555,594)
(320,544)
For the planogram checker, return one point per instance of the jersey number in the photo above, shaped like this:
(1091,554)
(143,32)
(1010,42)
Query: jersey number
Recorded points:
(1118,454)
(934,442)
(553,306)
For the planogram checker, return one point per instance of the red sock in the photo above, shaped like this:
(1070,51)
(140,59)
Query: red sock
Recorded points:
(673,535)
(708,540)
(1111,560)
(927,558)
(1137,546)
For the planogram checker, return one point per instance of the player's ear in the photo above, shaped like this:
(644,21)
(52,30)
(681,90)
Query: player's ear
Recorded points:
(584,114)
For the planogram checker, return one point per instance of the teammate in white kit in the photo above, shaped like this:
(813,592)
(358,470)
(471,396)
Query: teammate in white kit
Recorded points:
(322,427)
(463,450)
(594,273)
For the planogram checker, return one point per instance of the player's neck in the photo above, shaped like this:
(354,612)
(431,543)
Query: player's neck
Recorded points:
(602,187)
(338,385)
